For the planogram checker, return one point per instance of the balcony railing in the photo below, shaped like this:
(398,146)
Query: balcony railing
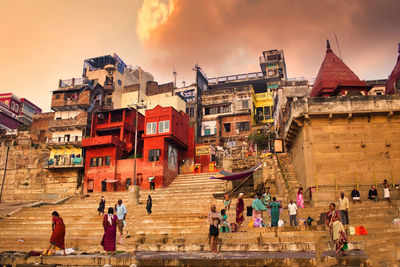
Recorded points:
(59,140)
(72,82)
(237,77)
(64,161)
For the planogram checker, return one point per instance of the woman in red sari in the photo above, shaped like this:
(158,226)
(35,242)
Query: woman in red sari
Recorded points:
(336,229)
(58,235)
(110,231)
(240,210)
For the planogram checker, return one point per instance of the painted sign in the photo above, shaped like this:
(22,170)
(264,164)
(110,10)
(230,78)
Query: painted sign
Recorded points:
(203,150)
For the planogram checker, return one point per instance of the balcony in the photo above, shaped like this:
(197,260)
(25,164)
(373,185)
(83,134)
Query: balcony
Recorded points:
(108,85)
(62,142)
(101,141)
(236,78)
(79,122)
(70,100)
(64,162)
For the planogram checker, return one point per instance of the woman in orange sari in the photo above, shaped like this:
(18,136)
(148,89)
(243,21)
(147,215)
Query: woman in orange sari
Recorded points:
(240,210)
(58,235)
(336,229)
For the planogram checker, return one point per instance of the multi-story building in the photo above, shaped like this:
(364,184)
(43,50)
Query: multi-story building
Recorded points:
(378,86)
(165,140)
(15,111)
(114,75)
(243,100)
(288,92)
(112,138)
(73,103)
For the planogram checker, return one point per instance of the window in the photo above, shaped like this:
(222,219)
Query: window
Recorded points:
(96,162)
(151,128)
(16,107)
(12,105)
(217,109)
(207,130)
(245,104)
(243,126)
(66,137)
(271,72)
(154,155)
(163,127)
(227,127)
(107,161)
(267,112)
(191,112)
(57,96)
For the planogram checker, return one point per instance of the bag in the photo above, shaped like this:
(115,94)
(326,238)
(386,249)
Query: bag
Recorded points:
(360,230)
(281,223)
(249,211)
(251,223)
(352,230)
(309,221)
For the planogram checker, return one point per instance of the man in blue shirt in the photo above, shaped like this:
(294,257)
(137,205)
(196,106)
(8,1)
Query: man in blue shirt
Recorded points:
(121,214)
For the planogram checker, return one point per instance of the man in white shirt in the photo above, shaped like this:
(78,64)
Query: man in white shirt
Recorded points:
(292,209)
(344,208)
(121,214)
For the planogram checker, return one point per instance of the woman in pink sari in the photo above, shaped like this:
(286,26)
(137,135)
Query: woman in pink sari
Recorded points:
(300,198)
(110,231)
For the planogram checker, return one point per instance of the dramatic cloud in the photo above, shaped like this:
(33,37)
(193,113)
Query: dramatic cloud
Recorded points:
(228,36)
(151,15)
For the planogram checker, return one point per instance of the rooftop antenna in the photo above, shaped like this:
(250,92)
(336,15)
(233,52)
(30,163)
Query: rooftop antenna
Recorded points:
(174,73)
(337,43)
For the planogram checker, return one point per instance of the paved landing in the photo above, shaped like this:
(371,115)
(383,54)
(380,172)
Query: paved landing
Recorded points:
(354,258)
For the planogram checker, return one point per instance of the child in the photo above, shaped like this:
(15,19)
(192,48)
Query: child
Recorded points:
(225,224)
(227,201)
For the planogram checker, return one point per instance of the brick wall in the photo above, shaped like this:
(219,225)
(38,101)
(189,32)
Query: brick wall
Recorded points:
(153,88)
(39,127)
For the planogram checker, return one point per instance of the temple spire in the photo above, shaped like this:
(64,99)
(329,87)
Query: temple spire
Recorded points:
(328,46)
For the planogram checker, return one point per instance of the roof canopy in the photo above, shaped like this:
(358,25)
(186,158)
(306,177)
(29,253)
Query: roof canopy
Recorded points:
(333,75)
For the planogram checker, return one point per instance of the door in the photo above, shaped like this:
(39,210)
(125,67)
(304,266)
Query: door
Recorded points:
(104,186)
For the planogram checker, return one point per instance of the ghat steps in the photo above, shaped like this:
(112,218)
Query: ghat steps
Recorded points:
(177,225)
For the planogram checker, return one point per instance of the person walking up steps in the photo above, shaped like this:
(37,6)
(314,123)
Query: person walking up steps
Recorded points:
(240,210)
(110,231)
(344,208)
(102,205)
(149,204)
(275,206)
(57,238)
(121,214)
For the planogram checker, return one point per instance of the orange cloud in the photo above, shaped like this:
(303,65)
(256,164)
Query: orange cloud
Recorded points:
(227,36)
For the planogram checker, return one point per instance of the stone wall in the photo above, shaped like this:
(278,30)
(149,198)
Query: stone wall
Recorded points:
(26,179)
(343,151)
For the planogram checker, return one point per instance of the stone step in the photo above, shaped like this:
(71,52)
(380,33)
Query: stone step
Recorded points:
(203,258)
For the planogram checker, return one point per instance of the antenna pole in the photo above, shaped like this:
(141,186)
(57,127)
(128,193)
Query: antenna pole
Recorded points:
(337,43)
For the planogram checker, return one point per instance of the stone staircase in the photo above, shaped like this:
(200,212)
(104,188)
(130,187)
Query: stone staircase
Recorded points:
(287,176)
(177,226)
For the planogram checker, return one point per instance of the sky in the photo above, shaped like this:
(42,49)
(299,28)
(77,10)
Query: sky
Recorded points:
(43,41)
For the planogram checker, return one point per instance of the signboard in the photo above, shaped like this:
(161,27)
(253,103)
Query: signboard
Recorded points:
(278,145)
(203,150)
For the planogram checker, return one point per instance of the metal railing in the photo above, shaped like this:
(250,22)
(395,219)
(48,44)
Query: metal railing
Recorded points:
(64,139)
(62,161)
(73,82)
(236,77)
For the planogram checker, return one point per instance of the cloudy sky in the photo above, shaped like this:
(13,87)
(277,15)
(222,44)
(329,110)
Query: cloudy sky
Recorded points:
(45,40)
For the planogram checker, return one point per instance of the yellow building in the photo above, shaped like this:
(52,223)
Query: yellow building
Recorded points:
(263,108)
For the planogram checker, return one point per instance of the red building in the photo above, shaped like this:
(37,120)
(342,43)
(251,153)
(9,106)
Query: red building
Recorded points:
(165,141)
(335,78)
(393,82)
(112,138)
(15,110)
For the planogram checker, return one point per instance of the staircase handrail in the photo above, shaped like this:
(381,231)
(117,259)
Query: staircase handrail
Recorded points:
(242,183)
(309,191)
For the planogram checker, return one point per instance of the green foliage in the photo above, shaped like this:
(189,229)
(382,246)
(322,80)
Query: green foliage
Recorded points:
(261,139)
